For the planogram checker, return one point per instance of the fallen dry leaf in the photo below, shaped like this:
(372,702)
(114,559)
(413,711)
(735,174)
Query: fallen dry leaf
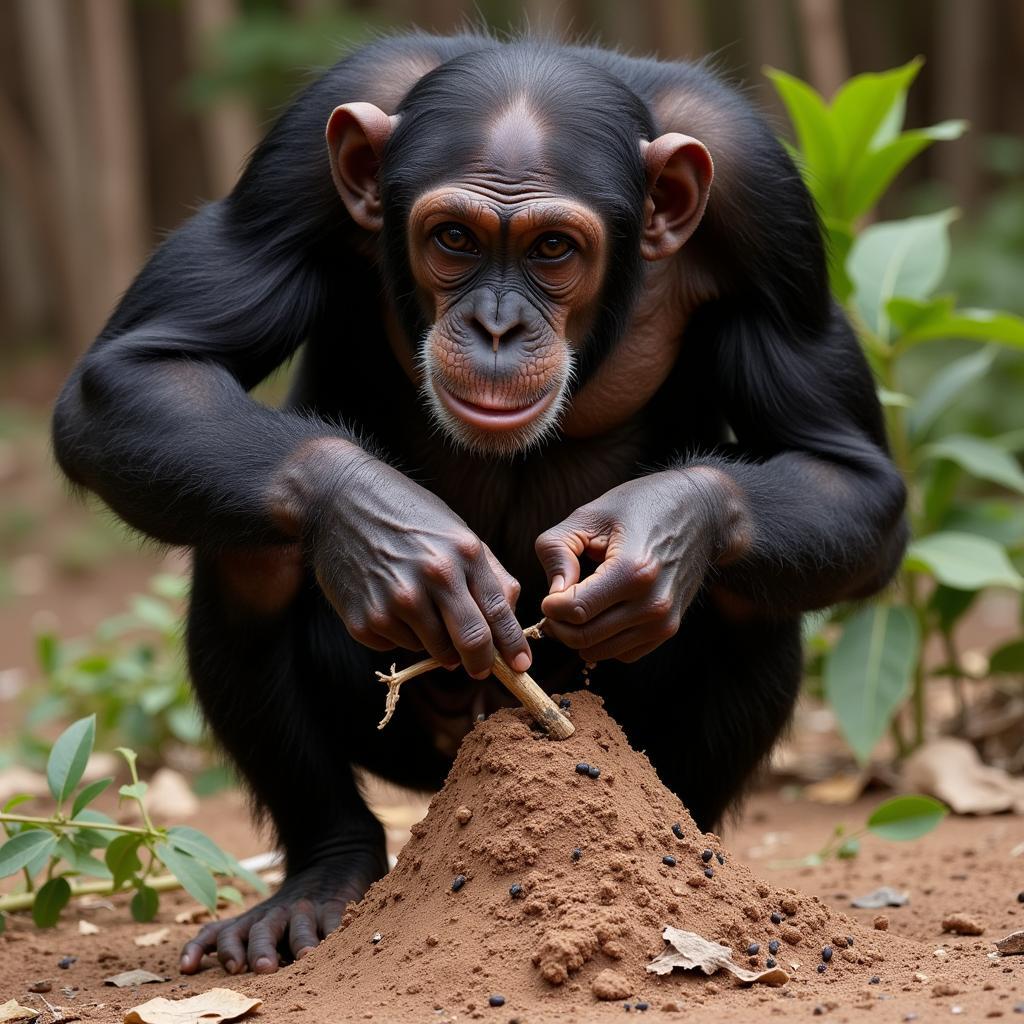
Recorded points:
(839,789)
(11,1011)
(192,915)
(691,950)
(87,928)
(126,979)
(950,769)
(152,938)
(886,896)
(170,797)
(211,1007)
(1012,944)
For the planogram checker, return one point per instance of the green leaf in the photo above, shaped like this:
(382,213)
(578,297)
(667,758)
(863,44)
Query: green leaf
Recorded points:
(949,605)
(47,653)
(186,723)
(946,386)
(135,791)
(839,240)
(79,859)
(868,178)
(867,674)
(919,321)
(194,877)
(812,122)
(197,844)
(87,795)
(906,817)
(16,801)
(169,586)
(1008,659)
(69,756)
(23,848)
(230,894)
(998,519)
(892,123)
(849,849)
(963,561)
(145,903)
(894,399)
(122,857)
(905,258)
(980,458)
(861,105)
(51,899)
(155,613)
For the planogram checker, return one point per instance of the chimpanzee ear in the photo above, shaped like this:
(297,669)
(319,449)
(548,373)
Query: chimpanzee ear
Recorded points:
(356,136)
(679,173)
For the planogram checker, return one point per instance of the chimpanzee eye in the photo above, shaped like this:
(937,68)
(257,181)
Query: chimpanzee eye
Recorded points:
(454,238)
(552,247)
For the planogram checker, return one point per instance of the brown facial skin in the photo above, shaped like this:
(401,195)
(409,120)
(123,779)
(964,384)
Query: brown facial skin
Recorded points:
(509,280)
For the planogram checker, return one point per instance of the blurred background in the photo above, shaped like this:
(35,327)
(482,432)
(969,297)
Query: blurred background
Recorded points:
(119,117)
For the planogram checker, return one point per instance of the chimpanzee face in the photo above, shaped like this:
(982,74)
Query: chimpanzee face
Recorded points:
(507,273)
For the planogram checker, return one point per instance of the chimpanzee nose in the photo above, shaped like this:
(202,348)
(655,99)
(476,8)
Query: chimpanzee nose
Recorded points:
(496,323)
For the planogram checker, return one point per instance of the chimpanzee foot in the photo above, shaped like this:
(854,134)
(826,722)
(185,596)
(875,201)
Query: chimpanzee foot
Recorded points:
(308,906)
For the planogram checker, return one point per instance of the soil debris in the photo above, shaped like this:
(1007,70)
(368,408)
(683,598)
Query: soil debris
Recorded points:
(962,924)
(544,925)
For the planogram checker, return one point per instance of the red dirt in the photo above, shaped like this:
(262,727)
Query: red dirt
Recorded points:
(528,803)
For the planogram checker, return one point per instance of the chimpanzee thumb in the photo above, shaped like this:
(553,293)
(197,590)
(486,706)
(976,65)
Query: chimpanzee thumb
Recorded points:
(558,550)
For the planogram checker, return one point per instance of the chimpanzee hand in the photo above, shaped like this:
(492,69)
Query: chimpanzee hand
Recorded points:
(403,570)
(655,538)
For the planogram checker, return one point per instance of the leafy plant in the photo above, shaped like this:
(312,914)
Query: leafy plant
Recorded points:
(886,275)
(900,819)
(131,673)
(77,841)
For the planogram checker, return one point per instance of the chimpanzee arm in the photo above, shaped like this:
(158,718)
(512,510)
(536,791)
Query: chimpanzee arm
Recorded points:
(816,505)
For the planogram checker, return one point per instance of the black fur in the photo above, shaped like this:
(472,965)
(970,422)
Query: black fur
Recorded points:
(156,419)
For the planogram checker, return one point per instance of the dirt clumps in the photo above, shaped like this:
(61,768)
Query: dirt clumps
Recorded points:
(569,880)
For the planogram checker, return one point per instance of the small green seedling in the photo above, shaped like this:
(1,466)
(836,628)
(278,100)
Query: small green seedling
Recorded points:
(900,819)
(76,842)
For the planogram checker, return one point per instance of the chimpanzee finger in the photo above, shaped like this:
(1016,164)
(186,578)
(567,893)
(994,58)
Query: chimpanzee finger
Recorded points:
(231,944)
(302,933)
(330,913)
(467,627)
(505,629)
(423,620)
(264,936)
(361,633)
(392,629)
(620,578)
(194,950)
(508,583)
(649,636)
(601,628)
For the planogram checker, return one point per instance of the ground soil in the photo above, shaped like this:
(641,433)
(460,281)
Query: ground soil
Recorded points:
(530,809)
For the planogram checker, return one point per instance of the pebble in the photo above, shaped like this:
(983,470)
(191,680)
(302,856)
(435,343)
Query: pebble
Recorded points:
(874,980)
(515,891)
(753,949)
(458,882)
(720,858)
(822,968)
(40,986)
(709,872)
(826,953)
(819,1010)
(706,856)
(910,1016)
(583,768)
(376,938)
(642,1006)
(576,853)
(881,923)
(669,860)
(496,1000)
(565,703)
(849,940)
(594,772)
(1019,1008)
(773,947)
(677,831)
(776,917)
(1020,899)
(771,962)
(65,962)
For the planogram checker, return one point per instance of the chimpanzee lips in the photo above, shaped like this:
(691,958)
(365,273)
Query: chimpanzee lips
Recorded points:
(494,417)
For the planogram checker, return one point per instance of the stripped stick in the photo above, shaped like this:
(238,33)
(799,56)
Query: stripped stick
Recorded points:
(543,709)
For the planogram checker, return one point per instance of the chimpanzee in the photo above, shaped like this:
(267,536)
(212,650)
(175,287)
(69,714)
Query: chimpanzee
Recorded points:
(544,360)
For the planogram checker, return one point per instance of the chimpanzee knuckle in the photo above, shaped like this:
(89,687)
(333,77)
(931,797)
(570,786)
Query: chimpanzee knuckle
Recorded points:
(660,607)
(644,571)
(667,629)
(474,637)
(469,547)
(404,598)
(548,541)
(494,606)
(440,570)
(378,621)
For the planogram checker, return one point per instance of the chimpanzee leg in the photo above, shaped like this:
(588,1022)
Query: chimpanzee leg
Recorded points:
(252,637)
(708,705)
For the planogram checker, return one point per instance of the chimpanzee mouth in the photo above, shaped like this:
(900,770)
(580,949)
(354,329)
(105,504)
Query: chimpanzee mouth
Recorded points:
(494,417)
